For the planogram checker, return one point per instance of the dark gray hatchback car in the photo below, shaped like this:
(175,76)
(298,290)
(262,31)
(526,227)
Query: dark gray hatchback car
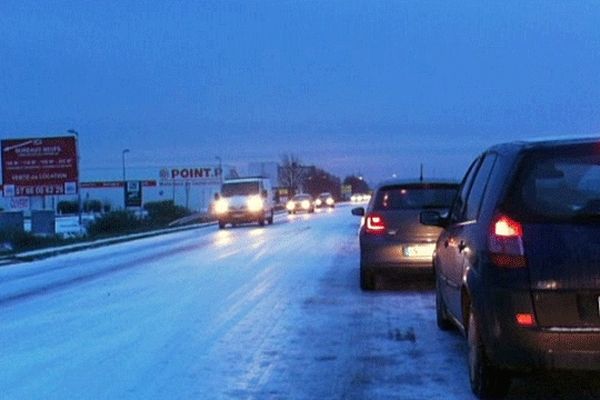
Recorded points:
(391,237)
(518,263)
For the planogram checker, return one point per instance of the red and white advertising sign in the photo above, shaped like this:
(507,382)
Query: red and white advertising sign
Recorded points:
(39,166)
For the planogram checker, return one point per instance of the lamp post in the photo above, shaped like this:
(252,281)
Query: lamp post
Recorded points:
(76,134)
(125,151)
(220,168)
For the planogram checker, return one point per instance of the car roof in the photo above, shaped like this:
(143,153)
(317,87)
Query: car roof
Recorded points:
(245,179)
(540,143)
(399,182)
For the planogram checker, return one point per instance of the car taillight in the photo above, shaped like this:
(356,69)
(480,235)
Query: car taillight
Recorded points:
(375,224)
(506,243)
(526,320)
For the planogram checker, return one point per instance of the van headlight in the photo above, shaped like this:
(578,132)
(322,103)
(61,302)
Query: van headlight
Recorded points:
(221,206)
(290,205)
(255,203)
(329,201)
(305,204)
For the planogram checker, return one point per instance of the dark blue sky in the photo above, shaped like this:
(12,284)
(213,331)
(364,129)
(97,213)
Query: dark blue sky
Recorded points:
(370,86)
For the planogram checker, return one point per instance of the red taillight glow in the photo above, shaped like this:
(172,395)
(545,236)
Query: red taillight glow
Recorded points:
(507,227)
(525,319)
(375,224)
(506,243)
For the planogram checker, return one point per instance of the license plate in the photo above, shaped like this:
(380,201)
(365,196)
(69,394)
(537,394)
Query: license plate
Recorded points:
(420,250)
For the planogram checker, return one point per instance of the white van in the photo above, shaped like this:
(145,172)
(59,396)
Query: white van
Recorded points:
(243,200)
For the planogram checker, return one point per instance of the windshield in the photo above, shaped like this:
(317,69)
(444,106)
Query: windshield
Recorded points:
(300,197)
(558,185)
(239,189)
(414,197)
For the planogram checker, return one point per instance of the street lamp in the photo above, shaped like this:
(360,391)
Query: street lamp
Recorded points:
(125,151)
(76,134)
(220,168)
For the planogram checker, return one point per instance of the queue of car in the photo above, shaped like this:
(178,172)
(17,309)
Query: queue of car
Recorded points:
(516,256)
(303,202)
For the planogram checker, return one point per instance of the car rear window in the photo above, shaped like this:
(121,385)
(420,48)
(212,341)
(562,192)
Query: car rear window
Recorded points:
(558,185)
(407,197)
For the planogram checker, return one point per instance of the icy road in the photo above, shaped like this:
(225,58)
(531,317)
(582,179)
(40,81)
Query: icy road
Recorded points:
(244,313)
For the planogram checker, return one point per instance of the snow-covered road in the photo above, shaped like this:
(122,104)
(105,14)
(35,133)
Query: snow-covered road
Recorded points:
(244,313)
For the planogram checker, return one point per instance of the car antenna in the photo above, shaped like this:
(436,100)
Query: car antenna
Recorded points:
(421,175)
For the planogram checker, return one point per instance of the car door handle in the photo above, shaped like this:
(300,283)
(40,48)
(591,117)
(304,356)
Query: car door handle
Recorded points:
(461,246)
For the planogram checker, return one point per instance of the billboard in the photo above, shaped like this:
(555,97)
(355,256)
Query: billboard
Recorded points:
(133,194)
(39,166)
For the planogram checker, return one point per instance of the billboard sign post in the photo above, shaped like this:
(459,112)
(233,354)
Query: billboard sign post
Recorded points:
(39,167)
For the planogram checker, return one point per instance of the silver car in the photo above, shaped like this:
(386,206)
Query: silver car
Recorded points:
(391,236)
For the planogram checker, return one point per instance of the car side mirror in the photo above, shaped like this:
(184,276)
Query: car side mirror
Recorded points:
(217,196)
(358,211)
(433,218)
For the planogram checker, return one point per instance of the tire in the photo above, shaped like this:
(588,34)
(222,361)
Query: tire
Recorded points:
(270,219)
(441,312)
(487,381)
(367,279)
(221,225)
(261,222)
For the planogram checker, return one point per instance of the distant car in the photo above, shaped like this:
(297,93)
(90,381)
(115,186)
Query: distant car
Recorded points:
(391,236)
(360,198)
(325,200)
(518,263)
(300,203)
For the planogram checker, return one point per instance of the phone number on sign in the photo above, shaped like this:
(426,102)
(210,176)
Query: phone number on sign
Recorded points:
(40,190)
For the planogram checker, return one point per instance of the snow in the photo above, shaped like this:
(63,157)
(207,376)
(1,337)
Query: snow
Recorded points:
(253,312)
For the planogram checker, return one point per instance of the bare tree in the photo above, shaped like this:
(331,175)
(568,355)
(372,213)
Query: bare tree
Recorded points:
(291,172)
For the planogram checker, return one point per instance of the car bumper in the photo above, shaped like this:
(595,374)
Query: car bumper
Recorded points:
(387,255)
(519,348)
(241,216)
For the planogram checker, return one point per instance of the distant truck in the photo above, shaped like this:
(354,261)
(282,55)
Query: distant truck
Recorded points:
(244,200)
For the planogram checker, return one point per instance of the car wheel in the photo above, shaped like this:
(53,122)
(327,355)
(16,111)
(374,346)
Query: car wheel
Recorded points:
(221,225)
(270,219)
(367,279)
(487,381)
(441,312)
(261,222)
